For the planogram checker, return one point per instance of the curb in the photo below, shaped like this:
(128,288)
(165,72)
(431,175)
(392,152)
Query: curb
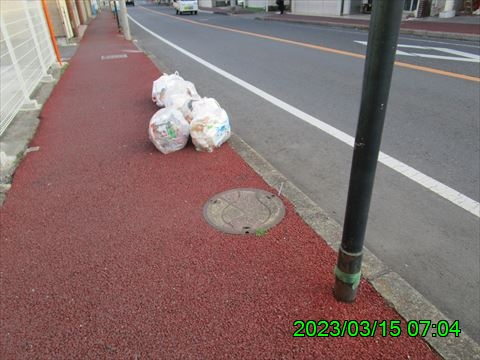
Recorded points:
(424,33)
(229,13)
(407,301)
(310,22)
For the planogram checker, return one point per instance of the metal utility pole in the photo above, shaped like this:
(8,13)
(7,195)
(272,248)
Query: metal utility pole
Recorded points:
(381,49)
(115,9)
(124,20)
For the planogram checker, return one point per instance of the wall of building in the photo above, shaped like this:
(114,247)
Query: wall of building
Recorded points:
(258,3)
(56,18)
(437,6)
(262,3)
(81,11)
(352,7)
(205,3)
(316,7)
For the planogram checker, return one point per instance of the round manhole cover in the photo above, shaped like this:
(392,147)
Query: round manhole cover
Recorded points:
(244,211)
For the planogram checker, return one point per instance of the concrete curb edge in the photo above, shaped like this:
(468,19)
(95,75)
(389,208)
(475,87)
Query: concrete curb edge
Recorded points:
(424,33)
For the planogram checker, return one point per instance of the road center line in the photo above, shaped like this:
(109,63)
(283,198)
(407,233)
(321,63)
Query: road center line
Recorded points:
(429,183)
(321,48)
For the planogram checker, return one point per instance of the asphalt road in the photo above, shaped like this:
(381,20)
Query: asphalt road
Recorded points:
(432,125)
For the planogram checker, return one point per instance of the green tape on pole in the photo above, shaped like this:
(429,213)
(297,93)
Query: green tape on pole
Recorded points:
(353,279)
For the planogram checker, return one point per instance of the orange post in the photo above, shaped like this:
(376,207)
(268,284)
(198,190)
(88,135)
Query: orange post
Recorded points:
(52,34)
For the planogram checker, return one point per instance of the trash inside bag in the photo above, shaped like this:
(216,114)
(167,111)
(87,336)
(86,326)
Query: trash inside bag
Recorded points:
(210,126)
(179,92)
(168,130)
(187,108)
(173,90)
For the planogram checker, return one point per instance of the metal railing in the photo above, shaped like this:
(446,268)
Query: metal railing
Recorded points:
(26,54)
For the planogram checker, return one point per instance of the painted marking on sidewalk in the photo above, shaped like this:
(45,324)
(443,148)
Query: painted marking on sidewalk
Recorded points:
(461,55)
(115,56)
(426,181)
(318,47)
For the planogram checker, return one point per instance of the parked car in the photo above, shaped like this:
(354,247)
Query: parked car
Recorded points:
(130,2)
(183,6)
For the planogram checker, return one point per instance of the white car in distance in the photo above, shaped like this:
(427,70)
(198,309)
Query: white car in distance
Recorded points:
(184,6)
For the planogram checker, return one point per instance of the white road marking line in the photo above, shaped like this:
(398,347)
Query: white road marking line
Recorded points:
(427,182)
(436,42)
(461,55)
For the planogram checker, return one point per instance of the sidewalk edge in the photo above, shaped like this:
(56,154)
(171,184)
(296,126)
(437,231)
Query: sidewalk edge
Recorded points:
(407,301)
(424,33)
(15,140)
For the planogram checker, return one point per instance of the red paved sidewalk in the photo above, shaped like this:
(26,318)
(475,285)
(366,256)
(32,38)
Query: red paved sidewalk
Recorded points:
(105,253)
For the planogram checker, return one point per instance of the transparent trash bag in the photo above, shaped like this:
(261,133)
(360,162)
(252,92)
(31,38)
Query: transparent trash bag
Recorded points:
(210,126)
(173,90)
(168,130)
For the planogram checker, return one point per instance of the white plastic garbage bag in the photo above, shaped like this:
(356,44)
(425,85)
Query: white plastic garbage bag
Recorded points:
(179,92)
(210,126)
(160,86)
(168,130)
(173,90)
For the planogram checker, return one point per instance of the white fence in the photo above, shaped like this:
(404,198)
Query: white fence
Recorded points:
(26,54)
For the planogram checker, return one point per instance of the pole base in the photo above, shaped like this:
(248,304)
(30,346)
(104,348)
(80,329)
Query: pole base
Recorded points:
(344,292)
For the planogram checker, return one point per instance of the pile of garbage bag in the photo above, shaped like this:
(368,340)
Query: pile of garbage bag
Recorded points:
(185,113)
(168,130)
(173,90)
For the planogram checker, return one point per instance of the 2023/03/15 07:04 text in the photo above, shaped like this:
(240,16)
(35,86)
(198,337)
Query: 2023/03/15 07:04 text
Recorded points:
(369,328)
